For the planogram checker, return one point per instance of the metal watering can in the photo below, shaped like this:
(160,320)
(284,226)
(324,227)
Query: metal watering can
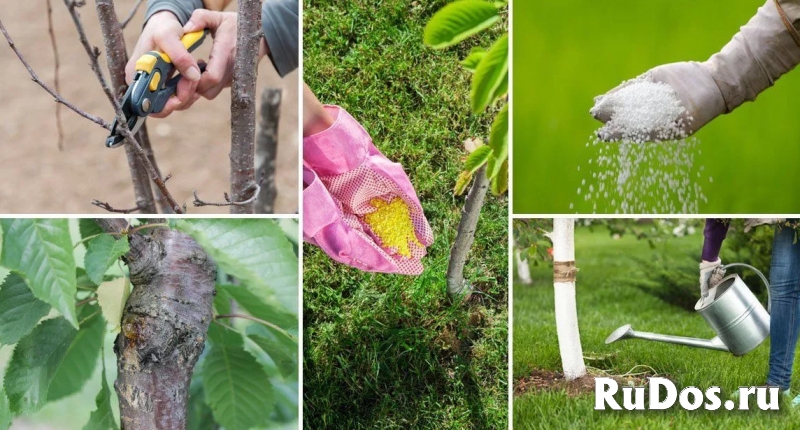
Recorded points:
(731,309)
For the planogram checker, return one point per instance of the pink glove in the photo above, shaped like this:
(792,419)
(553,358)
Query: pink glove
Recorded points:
(359,207)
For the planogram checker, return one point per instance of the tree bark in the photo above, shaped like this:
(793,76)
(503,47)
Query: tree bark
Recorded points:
(523,269)
(243,106)
(569,338)
(164,326)
(117,57)
(267,149)
(144,139)
(456,285)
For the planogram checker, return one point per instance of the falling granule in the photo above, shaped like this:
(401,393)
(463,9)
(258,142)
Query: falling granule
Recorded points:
(391,222)
(648,166)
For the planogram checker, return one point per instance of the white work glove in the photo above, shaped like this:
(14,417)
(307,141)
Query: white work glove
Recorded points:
(749,223)
(711,273)
(762,51)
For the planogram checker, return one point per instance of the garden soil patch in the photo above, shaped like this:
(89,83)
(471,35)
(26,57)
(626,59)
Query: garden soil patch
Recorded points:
(546,380)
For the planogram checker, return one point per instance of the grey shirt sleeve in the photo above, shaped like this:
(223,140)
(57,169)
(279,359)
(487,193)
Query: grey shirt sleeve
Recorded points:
(279,18)
(181,8)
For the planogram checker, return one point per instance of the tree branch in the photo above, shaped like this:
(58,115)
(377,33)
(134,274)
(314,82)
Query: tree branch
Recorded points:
(117,58)
(108,207)
(197,202)
(258,320)
(53,43)
(243,106)
(131,14)
(95,119)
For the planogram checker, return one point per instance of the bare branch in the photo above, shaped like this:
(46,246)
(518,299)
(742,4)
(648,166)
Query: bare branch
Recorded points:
(56,96)
(108,207)
(256,190)
(131,14)
(243,105)
(59,126)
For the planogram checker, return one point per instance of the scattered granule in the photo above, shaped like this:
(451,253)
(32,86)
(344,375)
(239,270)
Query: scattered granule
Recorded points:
(642,111)
(391,222)
(649,165)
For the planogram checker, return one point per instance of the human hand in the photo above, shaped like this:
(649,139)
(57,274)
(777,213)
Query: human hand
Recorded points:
(163,32)
(694,88)
(711,273)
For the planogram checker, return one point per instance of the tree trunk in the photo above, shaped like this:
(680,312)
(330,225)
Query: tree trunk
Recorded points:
(117,57)
(523,270)
(163,328)
(456,285)
(243,106)
(569,339)
(267,149)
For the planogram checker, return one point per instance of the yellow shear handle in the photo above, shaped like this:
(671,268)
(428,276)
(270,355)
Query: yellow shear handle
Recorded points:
(190,41)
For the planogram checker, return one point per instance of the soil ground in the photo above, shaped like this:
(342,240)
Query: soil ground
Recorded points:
(193,145)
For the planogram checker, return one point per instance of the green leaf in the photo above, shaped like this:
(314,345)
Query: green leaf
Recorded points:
(281,348)
(41,251)
(19,310)
(266,309)
(80,359)
(102,252)
(477,158)
(237,388)
(102,418)
(464,178)
(487,83)
(256,251)
(473,59)
(89,228)
(498,141)
(199,415)
(458,20)
(5,412)
(222,301)
(112,296)
(499,184)
(36,359)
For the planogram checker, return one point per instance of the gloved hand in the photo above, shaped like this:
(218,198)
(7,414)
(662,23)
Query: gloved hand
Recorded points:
(749,223)
(764,49)
(711,273)
(359,207)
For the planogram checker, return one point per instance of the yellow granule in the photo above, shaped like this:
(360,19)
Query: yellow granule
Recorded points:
(391,222)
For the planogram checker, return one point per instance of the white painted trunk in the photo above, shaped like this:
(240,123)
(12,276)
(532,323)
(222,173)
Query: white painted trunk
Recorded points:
(569,339)
(523,270)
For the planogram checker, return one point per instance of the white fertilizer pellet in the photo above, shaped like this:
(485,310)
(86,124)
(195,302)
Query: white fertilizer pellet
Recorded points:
(648,165)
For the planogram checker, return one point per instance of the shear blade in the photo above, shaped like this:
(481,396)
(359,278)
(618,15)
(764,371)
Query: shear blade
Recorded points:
(116,139)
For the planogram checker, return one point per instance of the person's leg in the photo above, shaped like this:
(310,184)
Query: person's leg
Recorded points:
(315,117)
(785,312)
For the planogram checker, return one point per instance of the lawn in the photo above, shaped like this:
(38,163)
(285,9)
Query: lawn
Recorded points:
(390,351)
(567,52)
(606,300)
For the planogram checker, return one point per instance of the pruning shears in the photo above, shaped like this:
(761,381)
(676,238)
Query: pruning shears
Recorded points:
(151,87)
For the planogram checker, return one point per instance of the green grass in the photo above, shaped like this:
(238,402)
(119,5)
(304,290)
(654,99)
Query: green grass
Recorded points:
(606,300)
(567,52)
(390,351)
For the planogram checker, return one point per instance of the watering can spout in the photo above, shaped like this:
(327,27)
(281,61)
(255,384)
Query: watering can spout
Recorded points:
(626,332)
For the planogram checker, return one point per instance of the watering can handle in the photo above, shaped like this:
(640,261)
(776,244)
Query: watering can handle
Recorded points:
(760,275)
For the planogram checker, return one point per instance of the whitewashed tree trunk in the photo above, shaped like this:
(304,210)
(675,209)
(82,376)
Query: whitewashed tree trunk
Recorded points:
(523,270)
(569,339)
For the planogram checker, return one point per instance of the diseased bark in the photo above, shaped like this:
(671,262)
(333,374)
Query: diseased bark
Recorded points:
(456,285)
(569,338)
(117,57)
(243,106)
(267,149)
(164,326)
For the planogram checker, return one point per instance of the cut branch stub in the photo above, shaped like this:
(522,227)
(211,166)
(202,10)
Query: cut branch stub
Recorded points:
(163,329)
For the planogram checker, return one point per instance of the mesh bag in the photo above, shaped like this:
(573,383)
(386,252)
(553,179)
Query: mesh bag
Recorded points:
(358,206)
